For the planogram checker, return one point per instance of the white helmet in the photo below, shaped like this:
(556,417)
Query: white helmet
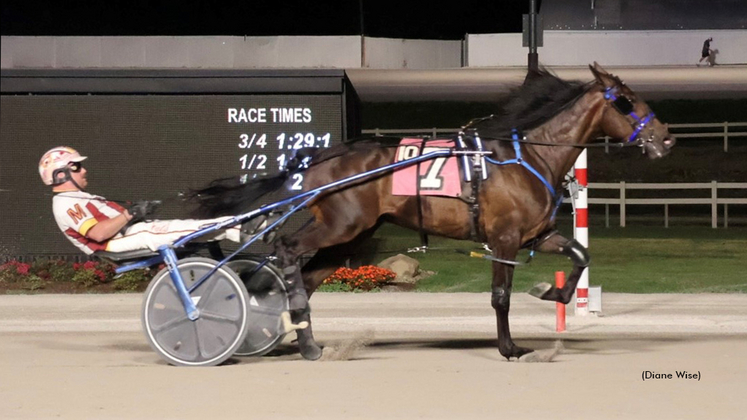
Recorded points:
(55,161)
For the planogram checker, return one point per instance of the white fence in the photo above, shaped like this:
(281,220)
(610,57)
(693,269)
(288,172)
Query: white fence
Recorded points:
(623,201)
(723,131)
(727,130)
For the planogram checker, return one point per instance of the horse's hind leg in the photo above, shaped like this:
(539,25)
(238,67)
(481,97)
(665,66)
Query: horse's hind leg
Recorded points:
(557,244)
(298,297)
(288,250)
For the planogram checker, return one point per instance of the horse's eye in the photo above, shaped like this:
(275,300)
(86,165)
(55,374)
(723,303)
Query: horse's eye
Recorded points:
(623,105)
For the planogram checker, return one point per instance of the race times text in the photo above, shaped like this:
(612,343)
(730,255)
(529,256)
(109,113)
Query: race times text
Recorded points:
(261,150)
(269,115)
(284,141)
(269,134)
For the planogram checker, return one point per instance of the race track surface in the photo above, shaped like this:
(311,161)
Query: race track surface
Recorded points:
(427,356)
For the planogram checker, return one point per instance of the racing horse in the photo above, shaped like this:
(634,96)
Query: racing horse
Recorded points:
(542,127)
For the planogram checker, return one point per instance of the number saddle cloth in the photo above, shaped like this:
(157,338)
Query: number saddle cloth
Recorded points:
(439,176)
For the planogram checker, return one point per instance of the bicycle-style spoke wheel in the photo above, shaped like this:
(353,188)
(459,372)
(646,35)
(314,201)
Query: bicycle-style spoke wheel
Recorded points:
(268,299)
(212,338)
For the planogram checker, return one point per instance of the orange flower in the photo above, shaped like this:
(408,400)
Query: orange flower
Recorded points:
(364,278)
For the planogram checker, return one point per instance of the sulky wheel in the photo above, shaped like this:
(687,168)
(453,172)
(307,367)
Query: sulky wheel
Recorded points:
(217,333)
(268,299)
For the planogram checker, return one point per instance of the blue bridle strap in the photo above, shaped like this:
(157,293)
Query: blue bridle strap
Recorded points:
(610,94)
(642,123)
(520,161)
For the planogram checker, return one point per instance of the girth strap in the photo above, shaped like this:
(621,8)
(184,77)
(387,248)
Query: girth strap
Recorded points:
(475,171)
(419,200)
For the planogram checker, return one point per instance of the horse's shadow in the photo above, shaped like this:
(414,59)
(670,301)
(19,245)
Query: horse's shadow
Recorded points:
(482,348)
(570,344)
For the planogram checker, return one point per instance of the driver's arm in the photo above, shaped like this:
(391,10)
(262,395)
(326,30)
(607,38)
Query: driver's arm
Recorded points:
(105,229)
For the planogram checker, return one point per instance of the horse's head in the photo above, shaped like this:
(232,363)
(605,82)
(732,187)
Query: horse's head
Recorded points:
(628,118)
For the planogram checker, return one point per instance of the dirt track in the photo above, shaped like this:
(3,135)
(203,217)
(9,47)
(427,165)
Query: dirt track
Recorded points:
(432,356)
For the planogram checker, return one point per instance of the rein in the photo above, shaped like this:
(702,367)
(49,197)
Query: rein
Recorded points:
(524,140)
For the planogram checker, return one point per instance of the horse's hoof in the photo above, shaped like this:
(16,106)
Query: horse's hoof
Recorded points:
(311,351)
(539,290)
(514,352)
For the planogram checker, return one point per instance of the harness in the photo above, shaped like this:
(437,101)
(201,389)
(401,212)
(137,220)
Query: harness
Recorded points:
(478,167)
(419,201)
(476,171)
(518,160)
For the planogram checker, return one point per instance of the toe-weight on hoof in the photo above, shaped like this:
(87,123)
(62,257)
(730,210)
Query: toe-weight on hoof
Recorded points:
(289,326)
(540,289)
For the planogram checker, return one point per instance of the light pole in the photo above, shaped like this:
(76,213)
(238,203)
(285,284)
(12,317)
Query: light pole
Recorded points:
(532,58)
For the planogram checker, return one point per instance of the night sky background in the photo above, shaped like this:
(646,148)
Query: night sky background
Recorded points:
(381,18)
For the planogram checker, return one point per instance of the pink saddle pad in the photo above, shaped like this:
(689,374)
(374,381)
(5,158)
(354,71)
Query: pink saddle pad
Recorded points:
(439,176)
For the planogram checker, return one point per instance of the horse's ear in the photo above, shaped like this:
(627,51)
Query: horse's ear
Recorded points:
(603,78)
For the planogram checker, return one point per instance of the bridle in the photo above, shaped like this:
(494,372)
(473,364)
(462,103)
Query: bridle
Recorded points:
(619,102)
(624,106)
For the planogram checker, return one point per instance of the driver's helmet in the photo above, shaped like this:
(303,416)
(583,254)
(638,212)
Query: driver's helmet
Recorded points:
(57,160)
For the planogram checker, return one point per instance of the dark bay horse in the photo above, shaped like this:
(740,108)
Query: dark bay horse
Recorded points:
(556,119)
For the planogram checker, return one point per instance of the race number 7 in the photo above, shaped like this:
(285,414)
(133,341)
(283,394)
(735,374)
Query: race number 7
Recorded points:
(432,180)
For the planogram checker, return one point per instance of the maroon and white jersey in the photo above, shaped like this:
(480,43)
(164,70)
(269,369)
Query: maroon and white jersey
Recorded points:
(76,212)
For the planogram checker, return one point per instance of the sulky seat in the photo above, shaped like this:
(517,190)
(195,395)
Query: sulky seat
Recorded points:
(119,258)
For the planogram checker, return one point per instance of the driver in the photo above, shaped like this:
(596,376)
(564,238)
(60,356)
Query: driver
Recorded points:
(93,223)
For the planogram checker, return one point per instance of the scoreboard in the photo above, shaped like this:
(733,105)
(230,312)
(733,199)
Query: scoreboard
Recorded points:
(154,134)
(270,135)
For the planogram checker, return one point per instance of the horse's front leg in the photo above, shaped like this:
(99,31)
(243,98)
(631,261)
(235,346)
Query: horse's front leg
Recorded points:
(298,299)
(558,244)
(501,302)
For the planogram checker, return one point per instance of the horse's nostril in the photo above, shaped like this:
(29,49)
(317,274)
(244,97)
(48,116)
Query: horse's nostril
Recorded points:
(669,142)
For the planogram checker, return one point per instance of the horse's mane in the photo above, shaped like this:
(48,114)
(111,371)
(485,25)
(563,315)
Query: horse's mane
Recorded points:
(542,96)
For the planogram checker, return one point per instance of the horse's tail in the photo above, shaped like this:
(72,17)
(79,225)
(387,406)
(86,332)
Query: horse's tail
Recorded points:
(229,196)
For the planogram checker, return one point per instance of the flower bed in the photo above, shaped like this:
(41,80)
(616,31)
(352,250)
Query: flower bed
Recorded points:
(60,276)
(364,278)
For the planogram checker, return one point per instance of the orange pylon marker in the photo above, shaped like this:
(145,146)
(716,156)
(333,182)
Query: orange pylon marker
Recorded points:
(559,307)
